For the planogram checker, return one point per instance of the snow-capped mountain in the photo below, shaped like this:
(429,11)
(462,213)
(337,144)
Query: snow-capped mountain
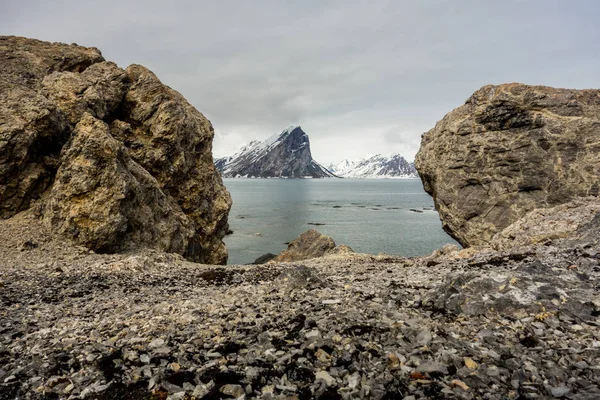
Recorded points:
(376,167)
(341,167)
(284,155)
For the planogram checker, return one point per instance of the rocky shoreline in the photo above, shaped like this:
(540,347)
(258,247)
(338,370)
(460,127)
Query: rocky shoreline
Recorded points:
(95,159)
(457,324)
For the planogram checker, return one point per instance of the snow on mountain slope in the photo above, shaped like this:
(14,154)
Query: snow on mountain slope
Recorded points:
(341,167)
(376,167)
(284,155)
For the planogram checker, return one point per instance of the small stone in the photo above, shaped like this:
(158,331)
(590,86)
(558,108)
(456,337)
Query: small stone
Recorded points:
(560,391)
(232,390)
(289,388)
(325,377)
(432,367)
(460,384)
(576,328)
(10,378)
(323,356)
(353,380)
(174,367)
(202,390)
(145,358)
(312,334)
(332,301)
(269,389)
(423,338)
(69,388)
(581,365)
(393,361)
(493,371)
(214,355)
(157,343)
(469,363)
(176,396)
(162,350)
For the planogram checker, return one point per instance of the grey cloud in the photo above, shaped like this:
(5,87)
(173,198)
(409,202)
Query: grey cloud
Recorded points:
(359,76)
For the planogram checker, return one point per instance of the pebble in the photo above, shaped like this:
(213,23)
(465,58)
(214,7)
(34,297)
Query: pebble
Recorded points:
(157,343)
(232,390)
(560,391)
(312,334)
(432,367)
(325,377)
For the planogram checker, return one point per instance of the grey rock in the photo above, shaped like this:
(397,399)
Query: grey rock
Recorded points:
(530,289)
(508,150)
(325,377)
(432,367)
(560,391)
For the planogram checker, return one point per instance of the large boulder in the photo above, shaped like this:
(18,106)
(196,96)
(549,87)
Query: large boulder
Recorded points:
(114,158)
(508,150)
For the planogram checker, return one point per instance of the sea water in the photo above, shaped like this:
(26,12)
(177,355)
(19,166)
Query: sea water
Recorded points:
(369,215)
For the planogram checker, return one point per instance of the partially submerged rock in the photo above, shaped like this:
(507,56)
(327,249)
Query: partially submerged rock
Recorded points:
(508,150)
(116,159)
(310,244)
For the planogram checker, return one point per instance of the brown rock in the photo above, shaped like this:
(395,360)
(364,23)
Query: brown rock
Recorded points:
(548,224)
(173,141)
(310,244)
(508,150)
(32,133)
(139,171)
(107,202)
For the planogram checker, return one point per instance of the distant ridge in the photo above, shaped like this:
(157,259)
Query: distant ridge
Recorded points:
(284,155)
(376,167)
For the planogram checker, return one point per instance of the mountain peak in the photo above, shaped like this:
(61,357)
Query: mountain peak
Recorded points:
(291,129)
(283,155)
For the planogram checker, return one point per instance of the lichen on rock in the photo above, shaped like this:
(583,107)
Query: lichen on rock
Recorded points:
(116,159)
(508,150)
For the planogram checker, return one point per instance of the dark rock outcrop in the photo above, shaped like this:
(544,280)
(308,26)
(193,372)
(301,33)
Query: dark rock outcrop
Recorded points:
(286,155)
(311,244)
(265,258)
(508,150)
(116,159)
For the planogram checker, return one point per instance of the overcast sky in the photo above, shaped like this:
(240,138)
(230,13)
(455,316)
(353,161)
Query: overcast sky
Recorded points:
(360,77)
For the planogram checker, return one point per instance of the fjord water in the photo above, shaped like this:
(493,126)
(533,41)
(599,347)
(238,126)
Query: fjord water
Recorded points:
(370,215)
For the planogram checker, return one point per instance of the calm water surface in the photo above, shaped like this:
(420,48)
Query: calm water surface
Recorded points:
(371,216)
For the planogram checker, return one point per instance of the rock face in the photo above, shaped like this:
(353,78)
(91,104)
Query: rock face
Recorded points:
(311,244)
(507,150)
(376,167)
(116,159)
(286,155)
